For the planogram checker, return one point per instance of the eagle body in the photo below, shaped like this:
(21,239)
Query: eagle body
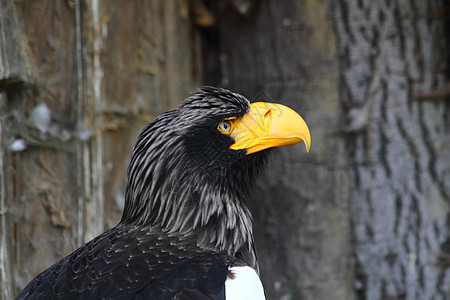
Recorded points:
(185,229)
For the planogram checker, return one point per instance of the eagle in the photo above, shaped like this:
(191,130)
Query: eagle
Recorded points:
(185,232)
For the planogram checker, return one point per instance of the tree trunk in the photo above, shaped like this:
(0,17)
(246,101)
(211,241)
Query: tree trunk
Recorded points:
(392,54)
(285,51)
(371,223)
(103,70)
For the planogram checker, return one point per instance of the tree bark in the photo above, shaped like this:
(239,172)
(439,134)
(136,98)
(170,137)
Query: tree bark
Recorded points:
(371,223)
(389,52)
(103,69)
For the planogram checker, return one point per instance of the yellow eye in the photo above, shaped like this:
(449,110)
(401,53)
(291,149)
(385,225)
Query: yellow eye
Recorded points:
(225,127)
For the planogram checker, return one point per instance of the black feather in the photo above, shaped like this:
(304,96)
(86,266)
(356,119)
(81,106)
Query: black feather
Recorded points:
(184,221)
(134,261)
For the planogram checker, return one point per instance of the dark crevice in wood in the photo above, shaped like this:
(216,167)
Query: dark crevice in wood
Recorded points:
(344,9)
(360,283)
(398,19)
(418,49)
(384,141)
(398,212)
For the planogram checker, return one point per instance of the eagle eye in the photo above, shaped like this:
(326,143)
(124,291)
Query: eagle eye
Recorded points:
(225,126)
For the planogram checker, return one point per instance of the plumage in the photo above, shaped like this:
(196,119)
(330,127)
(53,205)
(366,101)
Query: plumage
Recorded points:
(184,223)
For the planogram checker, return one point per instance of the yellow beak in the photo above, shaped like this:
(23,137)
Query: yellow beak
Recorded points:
(269,125)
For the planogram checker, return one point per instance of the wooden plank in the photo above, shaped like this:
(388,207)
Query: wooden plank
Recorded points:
(102,70)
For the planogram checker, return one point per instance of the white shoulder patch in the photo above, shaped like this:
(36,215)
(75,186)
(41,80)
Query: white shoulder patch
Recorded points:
(246,285)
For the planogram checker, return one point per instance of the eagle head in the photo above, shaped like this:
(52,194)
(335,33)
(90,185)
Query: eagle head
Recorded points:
(191,167)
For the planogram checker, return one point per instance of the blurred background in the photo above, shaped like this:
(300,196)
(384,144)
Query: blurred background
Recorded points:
(364,215)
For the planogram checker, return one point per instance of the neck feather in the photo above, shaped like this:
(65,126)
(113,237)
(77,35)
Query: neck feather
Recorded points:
(169,189)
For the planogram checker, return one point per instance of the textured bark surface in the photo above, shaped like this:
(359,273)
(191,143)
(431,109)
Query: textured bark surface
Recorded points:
(147,67)
(390,52)
(12,72)
(285,52)
(103,69)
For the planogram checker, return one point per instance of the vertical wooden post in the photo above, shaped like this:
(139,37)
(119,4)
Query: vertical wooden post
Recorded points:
(102,70)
